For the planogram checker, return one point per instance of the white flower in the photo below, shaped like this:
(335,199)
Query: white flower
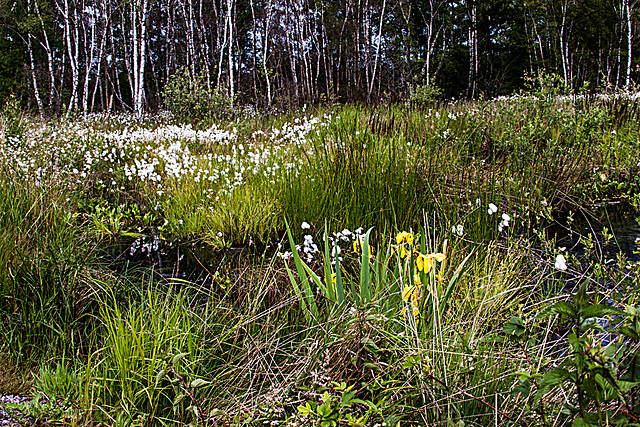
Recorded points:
(492,209)
(561,263)
(506,218)
(305,225)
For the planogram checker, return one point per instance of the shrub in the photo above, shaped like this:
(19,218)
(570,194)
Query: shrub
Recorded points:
(422,95)
(190,97)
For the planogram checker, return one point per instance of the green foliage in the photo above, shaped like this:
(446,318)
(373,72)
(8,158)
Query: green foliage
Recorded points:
(599,366)
(451,343)
(423,95)
(13,120)
(334,409)
(46,281)
(189,97)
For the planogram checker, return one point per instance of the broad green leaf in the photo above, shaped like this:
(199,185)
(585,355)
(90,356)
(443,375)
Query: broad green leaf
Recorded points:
(551,379)
(324,410)
(590,421)
(305,409)
(627,331)
(598,310)
(562,308)
(515,326)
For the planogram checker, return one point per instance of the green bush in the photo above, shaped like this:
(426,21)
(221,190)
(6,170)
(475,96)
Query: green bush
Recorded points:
(422,95)
(190,97)
(12,119)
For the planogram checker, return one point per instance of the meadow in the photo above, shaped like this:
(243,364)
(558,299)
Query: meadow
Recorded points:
(338,265)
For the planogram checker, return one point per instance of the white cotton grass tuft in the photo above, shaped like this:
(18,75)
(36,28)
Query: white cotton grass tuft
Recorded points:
(504,222)
(492,209)
(561,262)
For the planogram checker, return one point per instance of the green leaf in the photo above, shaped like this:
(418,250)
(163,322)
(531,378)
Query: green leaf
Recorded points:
(452,283)
(306,296)
(179,398)
(598,310)
(365,273)
(178,357)
(199,382)
(590,421)
(307,292)
(339,285)
(562,308)
(551,379)
(515,326)
(627,331)
(160,376)
(305,409)
(324,410)
(330,294)
(582,298)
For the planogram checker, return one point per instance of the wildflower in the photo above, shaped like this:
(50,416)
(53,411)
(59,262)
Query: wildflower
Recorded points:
(357,245)
(305,225)
(492,209)
(404,237)
(333,279)
(403,251)
(561,262)
(425,262)
(410,296)
(458,229)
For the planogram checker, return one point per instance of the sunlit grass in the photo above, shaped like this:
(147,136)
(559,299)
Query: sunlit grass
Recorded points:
(261,334)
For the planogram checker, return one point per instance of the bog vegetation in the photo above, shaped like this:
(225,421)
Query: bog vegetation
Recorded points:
(339,265)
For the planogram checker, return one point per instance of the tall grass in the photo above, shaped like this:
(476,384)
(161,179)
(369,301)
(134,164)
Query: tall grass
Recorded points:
(46,274)
(244,345)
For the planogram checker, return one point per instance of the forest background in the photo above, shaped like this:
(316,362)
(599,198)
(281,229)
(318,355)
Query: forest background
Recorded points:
(92,55)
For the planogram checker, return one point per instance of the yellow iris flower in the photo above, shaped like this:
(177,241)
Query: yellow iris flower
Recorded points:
(425,262)
(411,297)
(357,245)
(404,237)
(333,279)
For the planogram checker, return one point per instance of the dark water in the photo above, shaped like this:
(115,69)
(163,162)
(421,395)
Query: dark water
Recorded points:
(621,221)
(189,260)
(205,265)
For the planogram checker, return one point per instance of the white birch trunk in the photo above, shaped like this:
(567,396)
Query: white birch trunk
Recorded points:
(377,59)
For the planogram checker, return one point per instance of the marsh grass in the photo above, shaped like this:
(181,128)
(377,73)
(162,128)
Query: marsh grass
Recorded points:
(130,347)
(46,283)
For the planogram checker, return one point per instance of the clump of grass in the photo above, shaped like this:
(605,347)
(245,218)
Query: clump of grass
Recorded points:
(14,379)
(45,280)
